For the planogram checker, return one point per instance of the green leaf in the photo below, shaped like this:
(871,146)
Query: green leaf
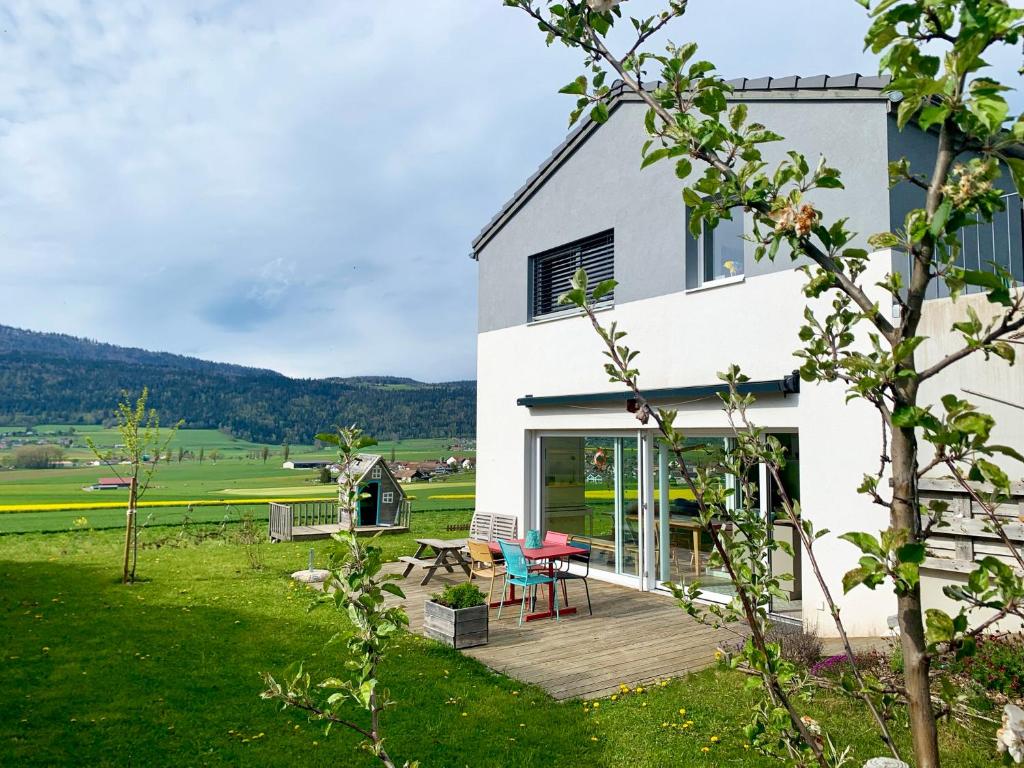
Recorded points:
(683,168)
(599,114)
(738,116)
(1016,166)
(938,626)
(575,297)
(577,87)
(941,217)
(603,288)
(579,279)
(883,240)
(993,474)
(865,542)
(653,157)
(327,437)
(911,552)
(855,577)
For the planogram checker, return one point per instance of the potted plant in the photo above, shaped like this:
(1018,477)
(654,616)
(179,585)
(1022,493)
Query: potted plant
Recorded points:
(457,616)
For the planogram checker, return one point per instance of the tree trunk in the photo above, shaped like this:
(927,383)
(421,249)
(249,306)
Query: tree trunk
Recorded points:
(128,570)
(916,661)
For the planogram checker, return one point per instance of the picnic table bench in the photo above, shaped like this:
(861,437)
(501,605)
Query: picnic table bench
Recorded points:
(446,553)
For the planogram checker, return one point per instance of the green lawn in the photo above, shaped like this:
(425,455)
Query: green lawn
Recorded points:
(166,672)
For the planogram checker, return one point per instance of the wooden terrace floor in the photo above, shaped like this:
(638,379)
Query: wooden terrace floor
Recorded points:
(312,532)
(632,638)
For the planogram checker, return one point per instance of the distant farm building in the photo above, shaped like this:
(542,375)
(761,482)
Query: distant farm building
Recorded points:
(306,464)
(109,484)
(410,474)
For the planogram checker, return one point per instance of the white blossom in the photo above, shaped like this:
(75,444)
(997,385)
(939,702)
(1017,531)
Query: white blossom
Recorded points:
(602,5)
(885,762)
(1010,738)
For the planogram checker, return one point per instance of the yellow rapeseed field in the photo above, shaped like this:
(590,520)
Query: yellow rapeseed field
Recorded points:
(85,506)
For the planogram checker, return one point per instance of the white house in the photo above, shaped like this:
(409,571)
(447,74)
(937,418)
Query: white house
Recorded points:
(556,445)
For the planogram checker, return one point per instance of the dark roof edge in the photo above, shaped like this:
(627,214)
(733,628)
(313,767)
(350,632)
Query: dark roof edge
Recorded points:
(817,86)
(787,385)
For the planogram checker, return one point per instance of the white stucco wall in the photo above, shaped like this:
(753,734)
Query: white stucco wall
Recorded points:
(685,339)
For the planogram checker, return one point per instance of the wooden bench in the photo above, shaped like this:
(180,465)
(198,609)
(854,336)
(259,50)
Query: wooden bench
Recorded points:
(490,527)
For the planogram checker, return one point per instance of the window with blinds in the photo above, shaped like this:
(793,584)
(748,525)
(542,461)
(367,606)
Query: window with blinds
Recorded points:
(551,272)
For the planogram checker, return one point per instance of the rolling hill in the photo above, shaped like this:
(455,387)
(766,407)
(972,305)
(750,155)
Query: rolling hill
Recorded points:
(56,378)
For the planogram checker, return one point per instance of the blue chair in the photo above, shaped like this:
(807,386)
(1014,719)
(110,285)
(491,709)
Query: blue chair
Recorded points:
(518,573)
(564,574)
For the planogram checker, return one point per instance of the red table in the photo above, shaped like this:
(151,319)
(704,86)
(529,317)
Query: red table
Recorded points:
(545,552)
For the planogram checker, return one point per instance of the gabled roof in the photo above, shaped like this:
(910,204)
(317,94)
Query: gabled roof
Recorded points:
(362,465)
(814,87)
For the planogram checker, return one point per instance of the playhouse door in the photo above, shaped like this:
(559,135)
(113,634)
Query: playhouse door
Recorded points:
(369,505)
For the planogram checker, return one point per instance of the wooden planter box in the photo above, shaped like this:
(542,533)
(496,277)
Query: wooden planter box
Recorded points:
(461,628)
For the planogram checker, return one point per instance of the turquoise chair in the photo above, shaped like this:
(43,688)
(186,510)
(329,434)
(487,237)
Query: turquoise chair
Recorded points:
(518,573)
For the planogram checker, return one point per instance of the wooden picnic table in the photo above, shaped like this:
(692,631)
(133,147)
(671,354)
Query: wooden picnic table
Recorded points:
(445,553)
(547,554)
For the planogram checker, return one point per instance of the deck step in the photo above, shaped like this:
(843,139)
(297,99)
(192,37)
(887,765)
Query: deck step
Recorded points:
(417,561)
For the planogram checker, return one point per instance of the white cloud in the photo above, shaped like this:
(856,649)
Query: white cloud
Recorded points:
(295,185)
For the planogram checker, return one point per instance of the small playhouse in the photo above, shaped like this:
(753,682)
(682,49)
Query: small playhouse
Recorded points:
(383,497)
(383,507)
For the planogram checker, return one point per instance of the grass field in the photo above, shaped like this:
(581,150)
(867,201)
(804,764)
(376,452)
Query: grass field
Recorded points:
(166,673)
(230,479)
(417,449)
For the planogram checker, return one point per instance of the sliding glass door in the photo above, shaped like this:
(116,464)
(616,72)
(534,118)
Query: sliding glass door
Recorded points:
(590,489)
(681,551)
(593,487)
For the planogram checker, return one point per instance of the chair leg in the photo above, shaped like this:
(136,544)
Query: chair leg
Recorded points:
(565,593)
(522,605)
(504,590)
(490,590)
(587,587)
(554,594)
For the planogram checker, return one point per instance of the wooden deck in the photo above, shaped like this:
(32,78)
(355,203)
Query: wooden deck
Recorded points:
(311,532)
(632,638)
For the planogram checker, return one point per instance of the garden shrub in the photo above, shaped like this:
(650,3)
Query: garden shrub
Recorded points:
(458,596)
(797,645)
(997,665)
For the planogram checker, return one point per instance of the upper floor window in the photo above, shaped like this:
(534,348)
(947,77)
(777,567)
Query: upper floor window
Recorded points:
(721,249)
(375,472)
(551,271)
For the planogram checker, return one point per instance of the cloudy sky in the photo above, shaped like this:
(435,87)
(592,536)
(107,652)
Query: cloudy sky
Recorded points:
(296,185)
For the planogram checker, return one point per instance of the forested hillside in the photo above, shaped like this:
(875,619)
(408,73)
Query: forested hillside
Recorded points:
(54,378)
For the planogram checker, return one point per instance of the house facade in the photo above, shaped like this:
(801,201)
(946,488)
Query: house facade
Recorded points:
(555,443)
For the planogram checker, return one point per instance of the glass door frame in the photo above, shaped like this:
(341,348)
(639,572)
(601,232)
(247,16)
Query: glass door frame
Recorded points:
(653,582)
(644,513)
(649,453)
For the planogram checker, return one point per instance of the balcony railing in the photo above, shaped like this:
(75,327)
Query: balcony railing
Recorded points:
(996,242)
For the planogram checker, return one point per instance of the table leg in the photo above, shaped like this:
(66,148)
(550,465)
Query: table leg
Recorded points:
(410,566)
(461,561)
(438,563)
